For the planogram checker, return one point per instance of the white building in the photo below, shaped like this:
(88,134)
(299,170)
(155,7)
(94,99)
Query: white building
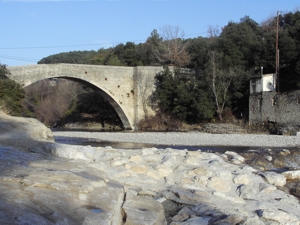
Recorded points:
(267,82)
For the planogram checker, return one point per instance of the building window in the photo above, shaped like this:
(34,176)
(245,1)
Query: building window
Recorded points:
(274,101)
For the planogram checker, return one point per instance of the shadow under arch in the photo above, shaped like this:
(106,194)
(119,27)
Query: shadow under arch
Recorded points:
(106,96)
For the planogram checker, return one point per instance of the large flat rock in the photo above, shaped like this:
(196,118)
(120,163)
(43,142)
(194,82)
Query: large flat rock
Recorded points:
(42,182)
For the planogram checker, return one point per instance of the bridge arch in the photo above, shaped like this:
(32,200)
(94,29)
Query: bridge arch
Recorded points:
(117,84)
(105,95)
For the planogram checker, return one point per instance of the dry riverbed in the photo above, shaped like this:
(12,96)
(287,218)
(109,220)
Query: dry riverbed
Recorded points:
(188,138)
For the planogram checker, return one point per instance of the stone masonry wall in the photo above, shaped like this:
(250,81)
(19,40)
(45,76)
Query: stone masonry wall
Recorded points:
(125,88)
(283,108)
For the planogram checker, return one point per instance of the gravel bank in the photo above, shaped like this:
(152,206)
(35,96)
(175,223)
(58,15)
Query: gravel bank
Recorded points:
(188,139)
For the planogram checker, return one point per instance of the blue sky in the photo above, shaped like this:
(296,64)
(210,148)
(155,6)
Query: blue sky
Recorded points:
(33,29)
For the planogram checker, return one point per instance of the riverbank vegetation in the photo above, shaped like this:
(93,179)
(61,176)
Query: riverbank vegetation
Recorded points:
(211,77)
(11,94)
(57,102)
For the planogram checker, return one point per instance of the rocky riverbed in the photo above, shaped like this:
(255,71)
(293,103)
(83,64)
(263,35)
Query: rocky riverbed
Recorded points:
(42,182)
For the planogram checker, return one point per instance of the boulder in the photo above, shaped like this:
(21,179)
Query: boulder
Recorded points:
(241,179)
(274,178)
(194,221)
(219,184)
(139,169)
(278,216)
(292,175)
(142,211)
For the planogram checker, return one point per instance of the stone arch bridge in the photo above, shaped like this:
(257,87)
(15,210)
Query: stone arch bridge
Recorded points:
(126,88)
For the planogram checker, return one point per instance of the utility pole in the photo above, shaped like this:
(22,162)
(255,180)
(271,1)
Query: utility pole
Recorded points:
(277,54)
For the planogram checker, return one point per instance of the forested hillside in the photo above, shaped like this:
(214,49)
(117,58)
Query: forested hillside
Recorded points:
(245,44)
(223,63)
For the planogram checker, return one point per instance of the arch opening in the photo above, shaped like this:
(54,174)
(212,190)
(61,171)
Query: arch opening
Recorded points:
(91,91)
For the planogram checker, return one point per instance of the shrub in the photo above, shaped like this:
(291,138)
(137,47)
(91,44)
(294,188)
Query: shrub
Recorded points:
(11,93)
(160,123)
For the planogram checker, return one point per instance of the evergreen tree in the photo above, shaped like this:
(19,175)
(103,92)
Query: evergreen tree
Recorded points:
(183,97)
(3,71)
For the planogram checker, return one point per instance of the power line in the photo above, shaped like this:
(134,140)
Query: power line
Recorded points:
(18,58)
(59,46)
(79,45)
(39,47)
(196,34)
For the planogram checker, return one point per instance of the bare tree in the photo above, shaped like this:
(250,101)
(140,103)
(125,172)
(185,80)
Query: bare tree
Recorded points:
(220,81)
(213,32)
(50,100)
(145,87)
(220,77)
(171,47)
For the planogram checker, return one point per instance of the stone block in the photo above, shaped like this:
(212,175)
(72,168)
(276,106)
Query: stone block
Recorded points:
(219,184)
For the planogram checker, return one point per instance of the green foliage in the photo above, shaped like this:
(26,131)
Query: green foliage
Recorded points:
(74,57)
(127,54)
(240,43)
(243,46)
(113,61)
(145,54)
(151,45)
(198,48)
(101,56)
(72,107)
(154,38)
(3,72)
(182,97)
(11,93)
(289,46)
(93,103)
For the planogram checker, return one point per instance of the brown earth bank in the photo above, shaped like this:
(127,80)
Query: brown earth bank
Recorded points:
(92,126)
(42,182)
(232,126)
